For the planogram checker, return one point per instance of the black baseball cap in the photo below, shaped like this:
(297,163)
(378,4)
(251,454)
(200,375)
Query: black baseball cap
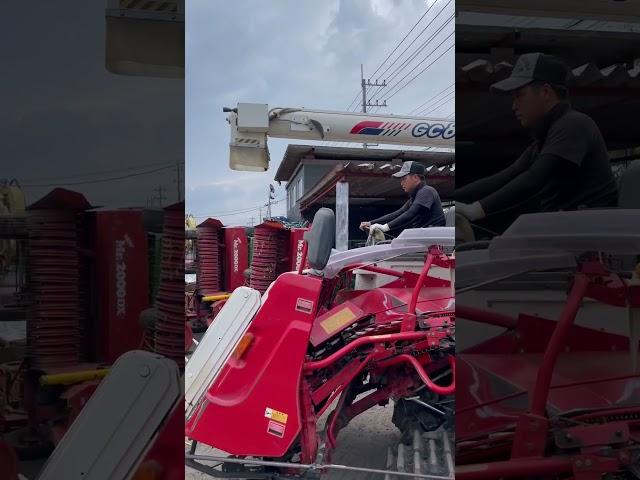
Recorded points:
(409,168)
(534,67)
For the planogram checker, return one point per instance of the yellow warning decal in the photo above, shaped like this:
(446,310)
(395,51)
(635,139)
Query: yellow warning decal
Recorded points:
(337,320)
(276,415)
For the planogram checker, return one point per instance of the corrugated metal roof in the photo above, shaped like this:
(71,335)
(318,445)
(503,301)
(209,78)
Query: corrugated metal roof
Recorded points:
(372,181)
(296,153)
(618,75)
(610,10)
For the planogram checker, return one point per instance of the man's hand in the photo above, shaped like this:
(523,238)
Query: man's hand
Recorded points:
(473,211)
(377,226)
(364,226)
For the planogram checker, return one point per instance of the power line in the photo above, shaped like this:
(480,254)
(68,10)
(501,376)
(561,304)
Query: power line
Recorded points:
(352,101)
(424,69)
(392,52)
(411,57)
(237,212)
(111,179)
(424,59)
(440,103)
(403,39)
(101,172)
(429,101)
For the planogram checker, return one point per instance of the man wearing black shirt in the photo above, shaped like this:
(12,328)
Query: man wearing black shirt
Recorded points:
(566,167)
(423,209)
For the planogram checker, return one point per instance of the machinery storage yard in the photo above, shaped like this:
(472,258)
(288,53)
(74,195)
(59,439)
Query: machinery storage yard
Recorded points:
(331,352)
(358,328)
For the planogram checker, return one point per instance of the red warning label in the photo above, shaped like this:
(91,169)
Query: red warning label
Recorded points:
(275,428)
(304,305)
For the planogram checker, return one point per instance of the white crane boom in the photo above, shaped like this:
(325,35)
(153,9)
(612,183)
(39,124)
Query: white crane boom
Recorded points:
(251,123)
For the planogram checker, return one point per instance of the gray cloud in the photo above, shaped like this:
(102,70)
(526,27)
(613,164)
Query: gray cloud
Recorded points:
(291,53)
(65,116)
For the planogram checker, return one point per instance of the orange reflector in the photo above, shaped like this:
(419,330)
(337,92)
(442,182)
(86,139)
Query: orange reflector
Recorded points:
(243,346)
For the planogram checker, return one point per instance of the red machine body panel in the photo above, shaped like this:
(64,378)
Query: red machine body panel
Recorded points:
(119,241)
(389,304)
(236,257)
(505,367)
(253,406)
(296,244)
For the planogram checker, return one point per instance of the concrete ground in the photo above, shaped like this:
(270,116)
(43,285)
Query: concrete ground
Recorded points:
(363,443)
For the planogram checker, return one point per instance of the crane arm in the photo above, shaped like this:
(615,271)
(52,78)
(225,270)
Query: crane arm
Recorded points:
(252,123)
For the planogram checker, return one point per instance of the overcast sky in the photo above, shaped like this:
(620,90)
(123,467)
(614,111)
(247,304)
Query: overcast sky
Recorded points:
(293,53)
(66,119)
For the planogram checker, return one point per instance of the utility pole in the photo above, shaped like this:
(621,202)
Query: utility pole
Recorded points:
(260,210)
(160,196)
(364,83)
(271,197)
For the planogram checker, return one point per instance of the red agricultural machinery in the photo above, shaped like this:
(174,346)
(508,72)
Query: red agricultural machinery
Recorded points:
(270,368)
(551,396)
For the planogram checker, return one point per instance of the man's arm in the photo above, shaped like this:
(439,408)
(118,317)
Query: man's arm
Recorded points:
(390,216)
(562,153)
(484,186)
(527,184)
(413,212)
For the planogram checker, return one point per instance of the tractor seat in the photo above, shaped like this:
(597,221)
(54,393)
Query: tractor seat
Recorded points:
(450,217)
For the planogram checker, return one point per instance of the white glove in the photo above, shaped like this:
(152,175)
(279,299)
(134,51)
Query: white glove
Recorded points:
(473,211)
(377,226)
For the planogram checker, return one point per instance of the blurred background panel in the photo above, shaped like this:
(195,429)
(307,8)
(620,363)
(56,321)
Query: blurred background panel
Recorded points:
(91,231)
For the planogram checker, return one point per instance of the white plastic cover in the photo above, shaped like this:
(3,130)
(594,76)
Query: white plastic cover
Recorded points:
(409,241)
(119,421)
(614,231)
(441,236)
(477,266)
(546,241)
(218,343)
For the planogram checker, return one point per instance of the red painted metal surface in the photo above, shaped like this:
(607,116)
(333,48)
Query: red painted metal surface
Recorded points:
(393,337)
(291,374)
(268,256)
(439,389)
(236,257)
(233,415)
(297,253)
(516,415)
(388,304)
(169,334)
(53,329)
(556,344)
(121,276)
(209,253)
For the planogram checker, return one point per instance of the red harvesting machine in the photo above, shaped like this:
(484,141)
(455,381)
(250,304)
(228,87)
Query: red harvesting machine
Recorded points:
(547,398)
(271,366)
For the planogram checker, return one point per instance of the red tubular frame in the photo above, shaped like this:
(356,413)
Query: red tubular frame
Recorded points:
(419,283)
(483,316)
(390,337)
(556,343)
(440,390)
